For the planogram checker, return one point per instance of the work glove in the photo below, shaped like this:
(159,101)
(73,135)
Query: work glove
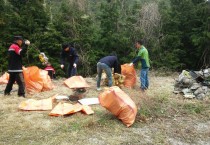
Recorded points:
(131,64)
(27,42)
(74,65)
(62,66)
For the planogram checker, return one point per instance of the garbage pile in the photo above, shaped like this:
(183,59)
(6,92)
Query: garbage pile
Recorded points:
(79,86)
(117,80)
(193,84)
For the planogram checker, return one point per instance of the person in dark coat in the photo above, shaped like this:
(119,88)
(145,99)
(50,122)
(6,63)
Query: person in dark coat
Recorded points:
(16,51)
(107,63)
(69,53)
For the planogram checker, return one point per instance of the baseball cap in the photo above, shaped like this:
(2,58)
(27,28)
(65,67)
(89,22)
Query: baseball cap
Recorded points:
(18,38)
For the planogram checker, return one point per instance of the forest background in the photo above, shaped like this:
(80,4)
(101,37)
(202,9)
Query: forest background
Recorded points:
(176,32)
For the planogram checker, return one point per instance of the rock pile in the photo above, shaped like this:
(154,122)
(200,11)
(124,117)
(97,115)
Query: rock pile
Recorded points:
(193,84)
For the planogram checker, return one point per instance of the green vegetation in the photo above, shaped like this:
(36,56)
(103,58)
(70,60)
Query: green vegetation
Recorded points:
(176,33)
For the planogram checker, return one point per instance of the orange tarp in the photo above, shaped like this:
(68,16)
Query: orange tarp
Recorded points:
(65,109)
(37,80)
(76,82)
(130,75)
(4,78)
(32,105)
(87,109)
(120,104)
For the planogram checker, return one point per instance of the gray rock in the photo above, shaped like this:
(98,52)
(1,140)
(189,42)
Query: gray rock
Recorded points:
(198,91)
(195,86)
(187,91)
(189,96)
(200,96)
(205,89)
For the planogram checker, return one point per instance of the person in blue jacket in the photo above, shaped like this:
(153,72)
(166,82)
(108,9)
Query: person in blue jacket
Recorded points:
(107,63)
(69,53)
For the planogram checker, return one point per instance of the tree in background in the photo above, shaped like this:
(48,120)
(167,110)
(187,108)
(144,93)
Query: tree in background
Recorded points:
(117,30)
(201,34)
(184,34)
(77,26)
(176,32)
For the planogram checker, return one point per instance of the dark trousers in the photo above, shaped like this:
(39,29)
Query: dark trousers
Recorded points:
(51,74)
(71,71)
(18,77)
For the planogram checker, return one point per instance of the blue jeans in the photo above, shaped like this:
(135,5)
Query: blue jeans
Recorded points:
(144,78)
(108,71)
(71,71)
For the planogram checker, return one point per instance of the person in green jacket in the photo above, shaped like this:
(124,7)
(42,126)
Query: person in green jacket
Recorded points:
(143,56)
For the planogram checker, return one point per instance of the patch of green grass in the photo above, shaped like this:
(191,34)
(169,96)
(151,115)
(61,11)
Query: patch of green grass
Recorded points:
(192,108)
(76,126)
(159,138)
(154,106)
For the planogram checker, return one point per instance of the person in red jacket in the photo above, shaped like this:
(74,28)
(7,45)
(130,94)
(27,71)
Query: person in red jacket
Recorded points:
(51,70)
(16,51)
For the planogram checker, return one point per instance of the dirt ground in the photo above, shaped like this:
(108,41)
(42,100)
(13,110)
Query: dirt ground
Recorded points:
(163,118)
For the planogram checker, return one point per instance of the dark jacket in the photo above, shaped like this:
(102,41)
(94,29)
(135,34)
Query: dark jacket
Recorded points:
(15,57)
(71,55)
(112,62)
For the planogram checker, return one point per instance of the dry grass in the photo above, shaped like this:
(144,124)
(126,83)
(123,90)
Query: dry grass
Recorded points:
(163,118)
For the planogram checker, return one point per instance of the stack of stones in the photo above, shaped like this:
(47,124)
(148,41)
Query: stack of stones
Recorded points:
(190,87)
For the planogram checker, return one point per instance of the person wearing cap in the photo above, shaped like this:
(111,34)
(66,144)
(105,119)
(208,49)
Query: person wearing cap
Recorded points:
(142,56)
(16,51)
(68,52)
(107,63)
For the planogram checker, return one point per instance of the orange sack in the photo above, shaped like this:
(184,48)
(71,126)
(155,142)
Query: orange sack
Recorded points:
(120,104)
(76,82)
(87,109)
(62,109)
(130,75)
(36,105)
(4,78)
(37,80)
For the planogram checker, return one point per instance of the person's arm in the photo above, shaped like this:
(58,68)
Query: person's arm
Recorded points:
(53,70)
(62,57)
(117,67)
(24,47)
(76,57)
(136,59)
(23,50)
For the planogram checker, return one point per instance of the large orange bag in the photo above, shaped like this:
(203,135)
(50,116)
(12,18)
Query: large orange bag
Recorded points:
(130,75)
(87,109)
(120,104)
(4,78)
(76,82)
(36,105)
(37,80)
(47,82)
(65,109)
